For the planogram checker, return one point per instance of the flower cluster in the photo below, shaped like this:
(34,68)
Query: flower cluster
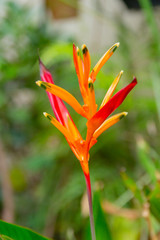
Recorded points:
(97,119)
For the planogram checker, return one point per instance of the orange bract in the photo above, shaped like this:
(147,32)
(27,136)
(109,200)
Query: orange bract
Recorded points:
(97,122)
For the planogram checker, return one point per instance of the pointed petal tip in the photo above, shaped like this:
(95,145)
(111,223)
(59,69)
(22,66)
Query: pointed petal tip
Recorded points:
(78,51)
(42,67)
(41,84)
(38,83)
(124,114)
(134,80)
(83,46)
(40,62)
(45,114)
(84,49)
(118,43)
(48,116)
(121,72)
(114,47)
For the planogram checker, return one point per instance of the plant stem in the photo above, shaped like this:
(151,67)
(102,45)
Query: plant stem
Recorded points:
(89,194)
(147,216)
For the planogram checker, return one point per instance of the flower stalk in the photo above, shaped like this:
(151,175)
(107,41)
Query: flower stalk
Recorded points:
(89,195)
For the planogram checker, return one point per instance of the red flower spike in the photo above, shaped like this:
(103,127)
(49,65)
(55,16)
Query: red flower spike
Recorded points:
(96,123)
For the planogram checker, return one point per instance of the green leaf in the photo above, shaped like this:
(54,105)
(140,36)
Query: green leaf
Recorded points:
(101,226)
(145,159)
(102,229)
(13,232)
(154,201)
(132,185)
(3,237)
(155,207)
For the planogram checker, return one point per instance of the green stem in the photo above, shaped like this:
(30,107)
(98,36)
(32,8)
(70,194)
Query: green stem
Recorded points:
(89,194)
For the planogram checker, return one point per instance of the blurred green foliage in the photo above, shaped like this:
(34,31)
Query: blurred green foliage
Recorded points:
(46,178)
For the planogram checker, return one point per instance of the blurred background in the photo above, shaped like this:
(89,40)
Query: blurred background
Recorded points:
(41,183)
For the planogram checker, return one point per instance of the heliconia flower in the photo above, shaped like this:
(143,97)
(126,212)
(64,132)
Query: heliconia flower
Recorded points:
(97,120)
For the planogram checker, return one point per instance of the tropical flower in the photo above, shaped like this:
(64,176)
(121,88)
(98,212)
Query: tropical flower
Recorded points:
(97,119)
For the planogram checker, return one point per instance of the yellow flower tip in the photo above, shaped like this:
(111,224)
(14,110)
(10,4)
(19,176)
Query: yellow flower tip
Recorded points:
(78,51)
(47,116)
(43,84)
(124,114)
(38,83)
(118,43)
(84,49)
(114,47)
(121,72)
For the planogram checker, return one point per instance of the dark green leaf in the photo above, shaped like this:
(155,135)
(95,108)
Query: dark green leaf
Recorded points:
(11,231)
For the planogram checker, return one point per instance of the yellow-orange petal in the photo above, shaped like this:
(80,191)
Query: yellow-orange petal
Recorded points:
(92,142)
(108,123)
(103,60)
(75,59)
(73,129)
(78,63)
(80,66)
(91,98)
(81,76)
(111,89)
(60,127)
(87,65)
(74,150)
(64,95)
